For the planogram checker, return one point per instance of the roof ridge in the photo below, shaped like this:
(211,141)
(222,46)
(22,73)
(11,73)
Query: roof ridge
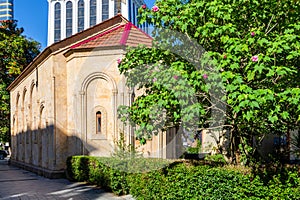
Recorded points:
(125,34)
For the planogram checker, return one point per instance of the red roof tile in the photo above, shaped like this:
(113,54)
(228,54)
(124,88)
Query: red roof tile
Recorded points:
(125,34)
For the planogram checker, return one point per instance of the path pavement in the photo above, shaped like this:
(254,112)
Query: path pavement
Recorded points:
(16,183)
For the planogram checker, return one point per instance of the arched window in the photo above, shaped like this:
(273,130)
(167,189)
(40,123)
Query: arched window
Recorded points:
(98,122)
(117,7)
(93,12)
(136,14)
(133,13)
(130,12)
(80,15)
(57,24)
(69,18)
(105,9)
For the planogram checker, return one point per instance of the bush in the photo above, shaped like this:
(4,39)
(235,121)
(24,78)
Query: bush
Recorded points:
(182,179)
(95,171)
(217,159)
(110,173)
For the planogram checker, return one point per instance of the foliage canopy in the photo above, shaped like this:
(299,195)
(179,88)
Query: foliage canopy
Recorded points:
(244,79)
(16,52)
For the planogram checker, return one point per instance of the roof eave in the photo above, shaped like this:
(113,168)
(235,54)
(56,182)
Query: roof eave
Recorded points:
(116,20)
(88,49)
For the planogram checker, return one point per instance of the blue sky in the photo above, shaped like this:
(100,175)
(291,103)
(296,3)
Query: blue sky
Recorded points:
(32,16)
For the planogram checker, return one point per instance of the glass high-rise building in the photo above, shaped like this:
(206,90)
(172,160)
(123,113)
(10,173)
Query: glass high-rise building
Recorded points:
(6,10)
(67,17)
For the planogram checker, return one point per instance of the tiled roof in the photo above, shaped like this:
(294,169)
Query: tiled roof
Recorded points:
(116,31)
(125,34)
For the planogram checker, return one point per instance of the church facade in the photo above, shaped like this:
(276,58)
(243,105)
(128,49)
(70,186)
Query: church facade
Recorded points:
(65,102)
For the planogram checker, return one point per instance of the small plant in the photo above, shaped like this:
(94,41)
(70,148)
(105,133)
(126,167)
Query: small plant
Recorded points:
(123,150)
(245,153)
(194,150)
(217,159)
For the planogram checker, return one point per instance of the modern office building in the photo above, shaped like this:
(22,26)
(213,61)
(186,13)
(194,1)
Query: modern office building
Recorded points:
(67,17)
(6,10)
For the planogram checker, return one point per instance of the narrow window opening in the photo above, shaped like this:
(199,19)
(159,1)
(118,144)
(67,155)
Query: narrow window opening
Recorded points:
(57,25)
(129,10)
(80,15)
(69,19)
(133,13)
(99,122)
(93,12)
(117,7)
(105,9)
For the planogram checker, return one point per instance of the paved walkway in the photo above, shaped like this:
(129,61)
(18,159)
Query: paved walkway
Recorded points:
(16,183)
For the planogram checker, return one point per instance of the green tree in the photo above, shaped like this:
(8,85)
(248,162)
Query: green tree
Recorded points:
(246,81)
(16,52)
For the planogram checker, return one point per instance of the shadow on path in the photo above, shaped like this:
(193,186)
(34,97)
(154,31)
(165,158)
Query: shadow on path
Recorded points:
(20,184)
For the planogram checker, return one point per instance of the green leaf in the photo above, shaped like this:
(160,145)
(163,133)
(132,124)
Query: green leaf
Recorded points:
(250,75)
(285,115)
(273,119)
(254,104)
(262,42)
(259,67)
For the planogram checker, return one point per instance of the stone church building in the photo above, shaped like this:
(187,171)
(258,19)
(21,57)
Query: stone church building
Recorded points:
(65,102)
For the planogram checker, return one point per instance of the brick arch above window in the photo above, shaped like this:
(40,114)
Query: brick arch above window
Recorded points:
(98,75)
(17,101)
(24,95)
(31,103)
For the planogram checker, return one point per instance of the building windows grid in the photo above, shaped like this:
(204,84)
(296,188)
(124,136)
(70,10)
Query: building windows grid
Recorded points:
(57,22)
(80,15)
(69,18)
(6,7)
(105,9)
(74,16)
(136,19)
(6,10)
(129,10)
(117,7)
(133,13)
(93,12)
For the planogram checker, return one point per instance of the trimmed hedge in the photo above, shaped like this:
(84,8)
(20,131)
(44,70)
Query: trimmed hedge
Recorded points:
(180,180)
(110,173)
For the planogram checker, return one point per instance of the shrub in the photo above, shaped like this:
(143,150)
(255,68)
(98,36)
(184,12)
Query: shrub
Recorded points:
(183,179)
(110,173)
(217,159)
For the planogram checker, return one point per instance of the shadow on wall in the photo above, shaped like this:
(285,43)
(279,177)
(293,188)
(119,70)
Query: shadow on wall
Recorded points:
(45,151)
